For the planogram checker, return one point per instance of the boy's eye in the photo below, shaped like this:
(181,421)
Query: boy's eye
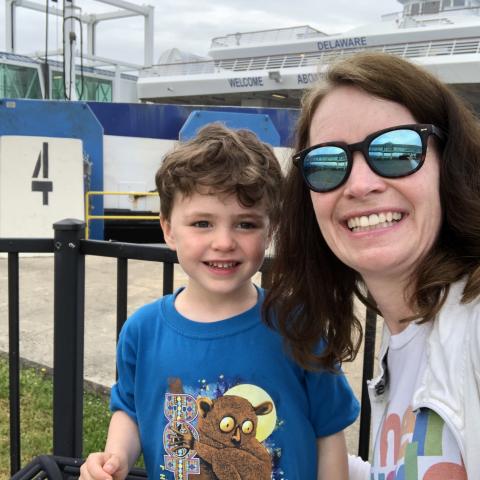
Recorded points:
(201,224)
(246,225)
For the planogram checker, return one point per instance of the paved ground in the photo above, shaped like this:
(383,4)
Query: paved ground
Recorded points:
(144,285)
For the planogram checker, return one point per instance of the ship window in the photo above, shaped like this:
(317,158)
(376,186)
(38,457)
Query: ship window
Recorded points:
(19,82)
(431,7)
(415,9)
(94,89)
(458,3)
(447,3)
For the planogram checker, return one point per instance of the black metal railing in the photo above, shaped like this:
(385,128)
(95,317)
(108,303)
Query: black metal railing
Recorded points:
(70,248)
(13,247)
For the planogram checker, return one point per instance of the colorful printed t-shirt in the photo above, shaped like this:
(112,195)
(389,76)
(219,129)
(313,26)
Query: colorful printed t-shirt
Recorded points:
(413,446)
(221,399)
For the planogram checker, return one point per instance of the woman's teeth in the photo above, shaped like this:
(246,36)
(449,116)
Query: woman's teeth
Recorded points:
(375,220)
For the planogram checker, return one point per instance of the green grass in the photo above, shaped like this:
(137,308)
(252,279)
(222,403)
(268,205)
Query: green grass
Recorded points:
(36,400)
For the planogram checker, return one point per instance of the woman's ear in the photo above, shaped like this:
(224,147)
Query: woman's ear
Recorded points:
(167,232)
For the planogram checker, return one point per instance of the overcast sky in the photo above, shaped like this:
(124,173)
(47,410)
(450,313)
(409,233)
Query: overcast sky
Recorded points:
(191,24)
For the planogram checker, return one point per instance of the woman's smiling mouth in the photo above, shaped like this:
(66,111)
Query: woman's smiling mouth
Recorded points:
(373,221)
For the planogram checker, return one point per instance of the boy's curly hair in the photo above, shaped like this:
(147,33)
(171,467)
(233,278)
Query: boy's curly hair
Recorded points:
(222,161)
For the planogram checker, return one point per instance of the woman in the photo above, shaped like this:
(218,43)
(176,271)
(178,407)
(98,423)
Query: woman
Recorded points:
(383,197)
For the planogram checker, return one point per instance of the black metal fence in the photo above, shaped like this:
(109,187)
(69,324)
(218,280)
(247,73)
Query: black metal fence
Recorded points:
(70,248)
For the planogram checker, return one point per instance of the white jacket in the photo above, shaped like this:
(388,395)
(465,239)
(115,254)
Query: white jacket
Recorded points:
(451,382)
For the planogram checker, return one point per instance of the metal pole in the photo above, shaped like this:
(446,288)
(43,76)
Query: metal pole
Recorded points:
(10,34)
(148,36)
(69,46)
(122,296)
(68,340)
(45,68)
(14,360)
(167,278)
(122,290)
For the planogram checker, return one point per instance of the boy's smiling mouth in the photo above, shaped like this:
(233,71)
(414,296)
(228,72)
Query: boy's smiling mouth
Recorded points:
(222,265)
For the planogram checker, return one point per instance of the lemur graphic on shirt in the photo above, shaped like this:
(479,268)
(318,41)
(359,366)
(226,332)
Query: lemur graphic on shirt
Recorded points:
(222,444)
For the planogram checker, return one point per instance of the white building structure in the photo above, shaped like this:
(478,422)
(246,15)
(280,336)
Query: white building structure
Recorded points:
(72,72)
(271,68)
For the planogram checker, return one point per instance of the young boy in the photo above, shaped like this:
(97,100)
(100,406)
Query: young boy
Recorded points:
(204,388)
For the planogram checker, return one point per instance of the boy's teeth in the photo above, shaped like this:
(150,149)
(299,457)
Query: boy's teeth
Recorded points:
(383,219)
(221,264)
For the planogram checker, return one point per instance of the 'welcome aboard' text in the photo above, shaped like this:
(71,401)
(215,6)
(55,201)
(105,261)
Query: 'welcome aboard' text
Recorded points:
(246,82)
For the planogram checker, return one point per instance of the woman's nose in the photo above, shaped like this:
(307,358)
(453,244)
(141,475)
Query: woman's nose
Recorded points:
(362,179)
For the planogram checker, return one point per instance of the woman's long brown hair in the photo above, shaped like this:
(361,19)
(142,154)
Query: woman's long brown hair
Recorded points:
(311,294)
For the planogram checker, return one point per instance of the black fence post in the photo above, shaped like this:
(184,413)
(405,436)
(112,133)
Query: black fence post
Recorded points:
(168,277)
(368,361)
(122,292)
(14,360)
(69,299)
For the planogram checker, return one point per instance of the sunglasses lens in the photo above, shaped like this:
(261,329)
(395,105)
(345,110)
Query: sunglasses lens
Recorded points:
(396,153)
(324,168)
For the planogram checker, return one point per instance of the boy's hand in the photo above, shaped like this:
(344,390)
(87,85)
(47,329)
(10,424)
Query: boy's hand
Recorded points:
(103,466)
(121,451)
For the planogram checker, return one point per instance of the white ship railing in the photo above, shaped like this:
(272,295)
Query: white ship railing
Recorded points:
(299,60)
(266,36)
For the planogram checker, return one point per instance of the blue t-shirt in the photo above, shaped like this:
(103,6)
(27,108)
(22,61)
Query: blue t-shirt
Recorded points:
(222,399)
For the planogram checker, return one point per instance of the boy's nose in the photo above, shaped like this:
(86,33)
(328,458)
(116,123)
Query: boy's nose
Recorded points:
(224,240)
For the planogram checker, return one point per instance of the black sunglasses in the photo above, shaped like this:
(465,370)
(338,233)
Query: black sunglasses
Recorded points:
(391,153)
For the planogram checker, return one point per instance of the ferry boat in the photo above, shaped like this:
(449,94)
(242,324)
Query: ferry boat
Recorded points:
(271,68)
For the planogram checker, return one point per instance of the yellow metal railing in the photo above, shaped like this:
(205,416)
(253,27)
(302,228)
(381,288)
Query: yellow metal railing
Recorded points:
(89,217)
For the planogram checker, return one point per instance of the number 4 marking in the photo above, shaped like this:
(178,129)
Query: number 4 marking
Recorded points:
(44,186)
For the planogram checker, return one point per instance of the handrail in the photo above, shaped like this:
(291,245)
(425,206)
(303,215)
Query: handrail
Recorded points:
(89,216)
(70,250)
(294,60)
(256,36)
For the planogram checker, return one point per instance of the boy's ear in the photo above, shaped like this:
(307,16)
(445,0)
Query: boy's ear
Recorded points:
(167,233)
